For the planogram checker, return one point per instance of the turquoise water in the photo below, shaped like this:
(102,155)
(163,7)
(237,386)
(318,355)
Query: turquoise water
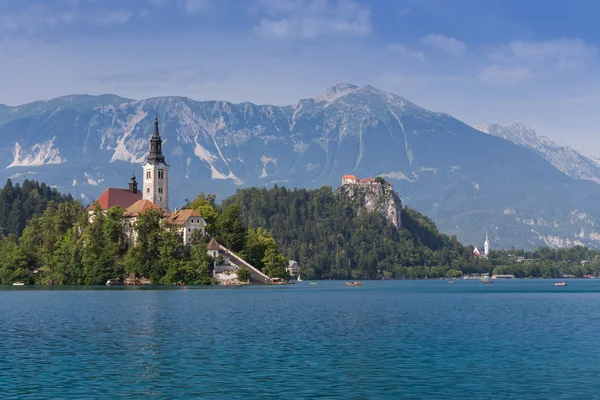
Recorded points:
(385,340)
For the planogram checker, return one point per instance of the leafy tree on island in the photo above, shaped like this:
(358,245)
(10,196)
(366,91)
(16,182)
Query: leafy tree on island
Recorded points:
(275,264)
(244,274)
(206,207)
(230,231)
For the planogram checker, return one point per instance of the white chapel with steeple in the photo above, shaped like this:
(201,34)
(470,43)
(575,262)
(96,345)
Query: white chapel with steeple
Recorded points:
(486,248)
(156,173)
(154,195)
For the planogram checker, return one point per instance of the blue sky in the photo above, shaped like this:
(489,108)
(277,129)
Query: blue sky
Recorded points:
(497,61)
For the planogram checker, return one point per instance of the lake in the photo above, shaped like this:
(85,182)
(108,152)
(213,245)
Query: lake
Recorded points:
(519,339)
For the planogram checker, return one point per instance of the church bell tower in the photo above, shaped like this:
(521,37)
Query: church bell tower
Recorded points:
(156,173)
(486,245)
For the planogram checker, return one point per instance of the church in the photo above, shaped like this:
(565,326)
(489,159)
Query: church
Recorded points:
(154,195)
(486,248)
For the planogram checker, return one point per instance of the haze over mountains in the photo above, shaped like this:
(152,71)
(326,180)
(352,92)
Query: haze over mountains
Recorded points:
(569,161)
(527,193)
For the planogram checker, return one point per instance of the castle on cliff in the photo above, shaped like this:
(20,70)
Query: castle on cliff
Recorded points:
(352,179)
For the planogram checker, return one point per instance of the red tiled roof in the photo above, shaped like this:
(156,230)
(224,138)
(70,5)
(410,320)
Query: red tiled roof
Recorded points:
(350,177)
(180,217)
(116,197)
(213,245)
(140,207)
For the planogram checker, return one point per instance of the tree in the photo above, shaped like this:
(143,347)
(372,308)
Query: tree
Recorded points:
(380,180)
(453,273)
(258,240)
(65,268)
(205,206)
(244,274)
(144,258)
(275,264)
(230,228)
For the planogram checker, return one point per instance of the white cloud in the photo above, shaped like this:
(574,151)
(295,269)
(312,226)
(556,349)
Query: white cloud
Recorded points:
(447,44)
(33,18)
(311,19)
(194,6)
(502,74)
(38,18)
(561,54)
(115,17)
(405,52)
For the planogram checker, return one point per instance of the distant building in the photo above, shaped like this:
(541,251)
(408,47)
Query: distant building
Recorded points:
(486,245)
(213,248)
(292,268)
(117,197)
(130,216)
(190,221)
(486,248)
(353,180)
(349,179)
(156,173)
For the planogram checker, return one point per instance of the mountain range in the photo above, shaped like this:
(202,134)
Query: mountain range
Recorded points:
(566,159)
(525,194)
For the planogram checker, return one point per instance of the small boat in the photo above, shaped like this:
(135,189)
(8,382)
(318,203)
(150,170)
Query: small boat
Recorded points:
(114,282)
(18,284)
(354,283)
(560,284)
(313,283)
(486,281)
(291,282)
(299,279)
(450,282)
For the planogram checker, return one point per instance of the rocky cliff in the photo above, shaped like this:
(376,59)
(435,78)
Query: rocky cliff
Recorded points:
(374,197)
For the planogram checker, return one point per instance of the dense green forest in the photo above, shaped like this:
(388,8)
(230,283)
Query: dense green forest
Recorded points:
(327,235)
(18,204)
(324,231)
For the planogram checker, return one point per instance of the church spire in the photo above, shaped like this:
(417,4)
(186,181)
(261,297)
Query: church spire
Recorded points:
(486,244)
(133,184)
(156,155)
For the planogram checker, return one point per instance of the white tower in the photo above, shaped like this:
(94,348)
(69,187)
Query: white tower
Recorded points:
(486,245)
(156,173)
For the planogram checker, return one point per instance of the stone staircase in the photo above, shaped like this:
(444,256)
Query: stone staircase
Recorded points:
(257,276)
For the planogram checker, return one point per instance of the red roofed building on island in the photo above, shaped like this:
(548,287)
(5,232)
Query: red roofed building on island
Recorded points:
(118,197)
(139,207)
(153,196)
(189,221)
(213,248)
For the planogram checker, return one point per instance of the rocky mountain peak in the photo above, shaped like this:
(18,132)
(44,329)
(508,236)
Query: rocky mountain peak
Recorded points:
(335,92)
